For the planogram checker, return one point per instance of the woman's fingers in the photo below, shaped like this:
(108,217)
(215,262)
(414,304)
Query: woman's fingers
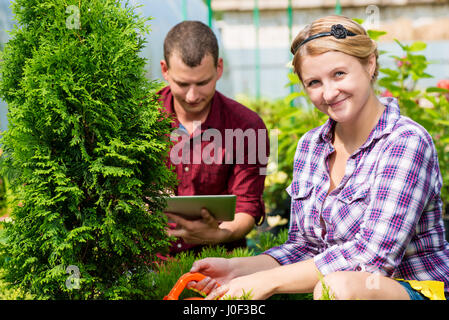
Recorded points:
(217,293)
(210,287)
(204,286)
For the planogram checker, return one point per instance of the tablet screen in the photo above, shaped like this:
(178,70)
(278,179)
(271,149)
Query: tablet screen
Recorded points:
(222,207)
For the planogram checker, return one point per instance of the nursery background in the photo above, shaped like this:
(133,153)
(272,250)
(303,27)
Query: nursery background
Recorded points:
(255,37)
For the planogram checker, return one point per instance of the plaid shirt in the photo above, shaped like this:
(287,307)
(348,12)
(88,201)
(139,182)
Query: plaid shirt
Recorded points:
(385,215)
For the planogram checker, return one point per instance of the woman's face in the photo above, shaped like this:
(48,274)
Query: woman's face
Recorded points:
(338,84)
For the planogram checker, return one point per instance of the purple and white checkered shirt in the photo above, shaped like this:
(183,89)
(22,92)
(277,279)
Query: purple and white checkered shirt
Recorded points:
(384,216)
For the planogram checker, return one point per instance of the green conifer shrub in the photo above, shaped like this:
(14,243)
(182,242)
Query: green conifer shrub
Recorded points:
(84,152)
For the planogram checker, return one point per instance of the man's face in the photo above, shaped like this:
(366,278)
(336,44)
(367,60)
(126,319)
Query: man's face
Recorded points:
(192,88)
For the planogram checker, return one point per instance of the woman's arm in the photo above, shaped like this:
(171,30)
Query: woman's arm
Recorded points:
(299,277)
(222,271)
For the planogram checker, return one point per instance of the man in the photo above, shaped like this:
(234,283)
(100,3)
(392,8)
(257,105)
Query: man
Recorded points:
(192,67)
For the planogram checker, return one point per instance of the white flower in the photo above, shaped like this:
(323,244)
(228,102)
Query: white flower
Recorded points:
(274,221)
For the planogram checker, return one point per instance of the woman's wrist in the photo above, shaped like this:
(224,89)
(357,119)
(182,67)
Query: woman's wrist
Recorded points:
(236,267)
(242,266)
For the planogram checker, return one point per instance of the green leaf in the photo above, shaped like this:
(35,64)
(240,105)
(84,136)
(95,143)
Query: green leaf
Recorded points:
(417,46)
(403,47)
(392,73)
(436,89)
(375,34)
(294,79)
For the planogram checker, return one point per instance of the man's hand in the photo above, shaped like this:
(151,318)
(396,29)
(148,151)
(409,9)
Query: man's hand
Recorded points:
(205,230)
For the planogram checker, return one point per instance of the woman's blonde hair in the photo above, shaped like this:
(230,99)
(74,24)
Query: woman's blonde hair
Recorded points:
(360,46)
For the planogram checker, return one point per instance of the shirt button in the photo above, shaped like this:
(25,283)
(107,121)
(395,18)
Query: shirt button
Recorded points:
(358,268)
(186,169)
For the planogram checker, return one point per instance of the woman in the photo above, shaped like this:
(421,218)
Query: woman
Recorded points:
(366,206)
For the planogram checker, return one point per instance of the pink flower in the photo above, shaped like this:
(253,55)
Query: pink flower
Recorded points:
(386,93)
(444,84)
(400,62)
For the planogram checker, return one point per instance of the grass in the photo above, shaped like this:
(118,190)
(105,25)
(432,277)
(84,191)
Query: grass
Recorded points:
(326,293)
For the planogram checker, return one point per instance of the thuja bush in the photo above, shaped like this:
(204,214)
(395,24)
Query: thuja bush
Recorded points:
(84,152)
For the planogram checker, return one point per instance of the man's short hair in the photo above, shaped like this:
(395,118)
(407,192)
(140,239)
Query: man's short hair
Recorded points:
(192,40)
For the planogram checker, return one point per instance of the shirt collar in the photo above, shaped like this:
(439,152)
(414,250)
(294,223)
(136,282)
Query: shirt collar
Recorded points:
(384,126)
(387,120)
(326,131)
(166,97)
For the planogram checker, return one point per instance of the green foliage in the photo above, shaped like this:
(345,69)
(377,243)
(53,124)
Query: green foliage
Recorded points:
(266,240)
(326,293)
(3,197)
(84,152)
(429,107)
(245,296)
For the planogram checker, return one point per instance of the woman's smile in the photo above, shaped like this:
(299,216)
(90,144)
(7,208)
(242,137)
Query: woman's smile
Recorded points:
(337,103)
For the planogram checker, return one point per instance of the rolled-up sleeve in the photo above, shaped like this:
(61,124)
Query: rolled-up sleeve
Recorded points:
(247,184)
(295,249)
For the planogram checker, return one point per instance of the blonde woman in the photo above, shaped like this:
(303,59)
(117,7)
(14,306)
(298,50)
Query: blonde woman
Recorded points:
(366,206)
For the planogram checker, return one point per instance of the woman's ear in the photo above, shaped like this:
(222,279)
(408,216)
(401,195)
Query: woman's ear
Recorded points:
(372,65)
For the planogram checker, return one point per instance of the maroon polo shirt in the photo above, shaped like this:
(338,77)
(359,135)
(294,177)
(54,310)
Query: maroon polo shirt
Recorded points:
(227,155)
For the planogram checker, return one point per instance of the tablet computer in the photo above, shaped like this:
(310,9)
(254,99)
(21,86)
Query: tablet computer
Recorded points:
(222,207)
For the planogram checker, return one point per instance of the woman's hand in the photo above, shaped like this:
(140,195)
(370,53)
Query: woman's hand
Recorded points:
(235,276)
(256,286)
(217,270)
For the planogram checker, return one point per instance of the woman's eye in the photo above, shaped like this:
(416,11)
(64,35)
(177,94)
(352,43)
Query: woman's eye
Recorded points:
(311,83)
(339,73)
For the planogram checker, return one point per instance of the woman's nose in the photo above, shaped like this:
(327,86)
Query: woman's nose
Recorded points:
(330,92)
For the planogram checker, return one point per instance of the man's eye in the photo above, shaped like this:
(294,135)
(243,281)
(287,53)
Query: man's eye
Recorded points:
(203,83)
